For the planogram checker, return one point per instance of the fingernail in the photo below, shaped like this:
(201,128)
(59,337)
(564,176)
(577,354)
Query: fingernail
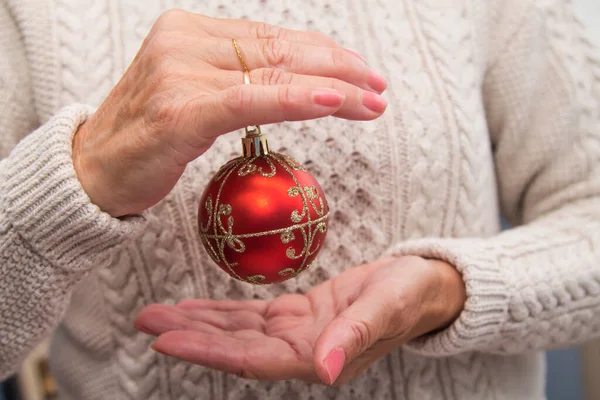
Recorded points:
(355,54)
(374,102)
(377,82)
(328,97)
(334,363)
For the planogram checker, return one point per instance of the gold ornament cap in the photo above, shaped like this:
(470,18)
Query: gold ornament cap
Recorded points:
(255,143)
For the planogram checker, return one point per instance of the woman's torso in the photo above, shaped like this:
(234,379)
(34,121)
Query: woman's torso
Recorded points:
(423,169)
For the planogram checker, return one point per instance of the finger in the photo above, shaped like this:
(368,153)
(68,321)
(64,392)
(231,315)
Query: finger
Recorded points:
(358,104)
(257,306)
(236,28)
(350,334)
(229,321)
(254,356)
(157,319)
(246,105)
(293,57)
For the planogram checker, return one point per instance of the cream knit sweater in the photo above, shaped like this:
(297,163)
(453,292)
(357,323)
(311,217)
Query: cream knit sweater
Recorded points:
(494,107)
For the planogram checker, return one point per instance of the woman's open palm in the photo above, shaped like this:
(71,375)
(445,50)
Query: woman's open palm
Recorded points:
(330,334)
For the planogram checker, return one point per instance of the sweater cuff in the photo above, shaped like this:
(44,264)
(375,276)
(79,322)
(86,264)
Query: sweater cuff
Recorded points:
(46,204)
(486,306)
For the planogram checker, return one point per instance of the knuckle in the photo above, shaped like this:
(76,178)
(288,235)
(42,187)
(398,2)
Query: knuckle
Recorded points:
(285,97)
(170,18)
(342,87)
(362,333)
(339,59)
(162,43)
(274,76)
(263,30)
(237,98)
(277,52)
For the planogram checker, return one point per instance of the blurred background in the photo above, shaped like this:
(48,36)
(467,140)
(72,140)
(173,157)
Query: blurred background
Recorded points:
(573,374)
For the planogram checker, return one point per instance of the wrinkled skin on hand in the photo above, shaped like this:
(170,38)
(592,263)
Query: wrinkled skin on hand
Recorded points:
(185,87)
(329,335)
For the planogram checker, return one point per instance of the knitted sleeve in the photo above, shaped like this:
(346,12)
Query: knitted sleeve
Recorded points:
(51,235)
(536,286)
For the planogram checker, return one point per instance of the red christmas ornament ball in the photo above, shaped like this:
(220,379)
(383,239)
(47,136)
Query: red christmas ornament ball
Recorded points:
(263,219)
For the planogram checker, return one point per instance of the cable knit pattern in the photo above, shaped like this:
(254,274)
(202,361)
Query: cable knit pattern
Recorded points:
(48,223)
(494,107)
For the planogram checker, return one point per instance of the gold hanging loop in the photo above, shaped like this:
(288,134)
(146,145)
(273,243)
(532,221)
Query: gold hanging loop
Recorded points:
(255,143)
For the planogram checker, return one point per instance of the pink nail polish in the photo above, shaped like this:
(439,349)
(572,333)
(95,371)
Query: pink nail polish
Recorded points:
(374,102)
(376,82)
(328,97)
(334,363)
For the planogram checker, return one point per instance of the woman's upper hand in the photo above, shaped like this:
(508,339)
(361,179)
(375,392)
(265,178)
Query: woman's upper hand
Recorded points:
(185,87)
(330,335)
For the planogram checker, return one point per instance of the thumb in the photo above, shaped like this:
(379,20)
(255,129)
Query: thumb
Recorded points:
(247,105)
(350,334)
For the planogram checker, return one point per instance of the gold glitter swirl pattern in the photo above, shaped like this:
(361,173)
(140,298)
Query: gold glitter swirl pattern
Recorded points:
(250,168)
(302,223)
